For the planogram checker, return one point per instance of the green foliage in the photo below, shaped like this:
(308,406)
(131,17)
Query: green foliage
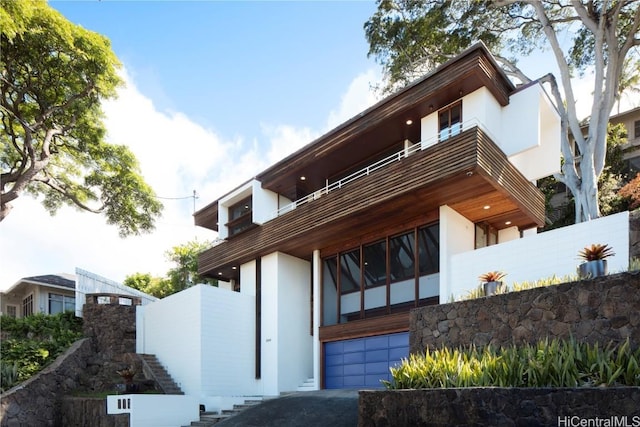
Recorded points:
(54,76)
(183,275)
(548,363)
(34,342)
(478,292)
(614,178)
(553,280)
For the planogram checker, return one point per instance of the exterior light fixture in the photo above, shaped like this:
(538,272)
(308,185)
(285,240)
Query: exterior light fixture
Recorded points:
(302,178)
(486,207)
(409,122)
(507,223)
(219,273)
(234,268)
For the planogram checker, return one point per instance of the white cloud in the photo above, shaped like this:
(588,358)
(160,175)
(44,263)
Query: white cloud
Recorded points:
(176,156)
(358,97)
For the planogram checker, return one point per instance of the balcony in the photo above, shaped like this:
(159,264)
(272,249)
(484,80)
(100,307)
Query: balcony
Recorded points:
(466,172)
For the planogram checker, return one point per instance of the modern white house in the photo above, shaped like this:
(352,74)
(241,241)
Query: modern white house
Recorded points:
(321,257)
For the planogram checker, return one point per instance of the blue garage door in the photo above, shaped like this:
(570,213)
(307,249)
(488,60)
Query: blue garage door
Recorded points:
(363,362)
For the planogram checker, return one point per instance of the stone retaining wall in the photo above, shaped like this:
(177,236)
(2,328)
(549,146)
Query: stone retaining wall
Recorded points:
(36,402)
(90,365)
(85,411)
(500,407)
(597,310)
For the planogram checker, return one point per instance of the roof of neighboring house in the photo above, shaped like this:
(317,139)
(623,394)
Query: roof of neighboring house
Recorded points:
(61,280)
(52,279)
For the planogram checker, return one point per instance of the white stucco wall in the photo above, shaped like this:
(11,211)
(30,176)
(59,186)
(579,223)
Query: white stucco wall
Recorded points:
(265,203)
(205,337)
(287,358)
(534,126)
(527,130)
(542,255)
(457,235)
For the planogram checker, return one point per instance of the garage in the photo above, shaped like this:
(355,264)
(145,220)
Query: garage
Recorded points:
(363,362)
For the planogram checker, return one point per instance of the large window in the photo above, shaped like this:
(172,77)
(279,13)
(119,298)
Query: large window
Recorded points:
(61,303)
(389,275)
(450,121)
(636,129)
(27,306)
(12,311)
(240,216)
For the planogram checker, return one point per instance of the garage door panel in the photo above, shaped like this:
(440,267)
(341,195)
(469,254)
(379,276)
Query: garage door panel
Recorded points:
(363,362)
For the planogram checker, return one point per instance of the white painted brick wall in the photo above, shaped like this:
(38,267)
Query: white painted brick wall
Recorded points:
(541,255)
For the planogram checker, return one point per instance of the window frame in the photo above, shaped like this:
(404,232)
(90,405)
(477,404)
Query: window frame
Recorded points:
(30,311)
(450,130)
(243,221)
(65,300)
(14,309)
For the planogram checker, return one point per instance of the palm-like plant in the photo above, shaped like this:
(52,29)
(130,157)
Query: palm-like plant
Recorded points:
(596,251)
(492,276)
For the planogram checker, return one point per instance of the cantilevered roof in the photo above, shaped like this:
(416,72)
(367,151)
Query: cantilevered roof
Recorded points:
(369,133)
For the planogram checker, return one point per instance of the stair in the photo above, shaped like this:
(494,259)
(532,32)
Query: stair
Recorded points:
(208,419)
(153,369)
(308,385)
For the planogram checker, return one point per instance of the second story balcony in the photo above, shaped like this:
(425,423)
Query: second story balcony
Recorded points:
(468,172)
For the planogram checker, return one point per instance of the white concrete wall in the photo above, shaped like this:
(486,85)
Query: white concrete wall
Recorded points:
(287,358)
(265,203)
(228,343)
(155,410)
(542,255)
(481,108)
(205,337)
(172,330)
(269,314)
(295,344)
(457,235)
(90,283)
(527,130)
(248,278)
(534,126)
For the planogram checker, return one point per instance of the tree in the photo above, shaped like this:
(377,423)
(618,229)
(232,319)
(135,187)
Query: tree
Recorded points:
(409,37)
(183,275)
(54,75)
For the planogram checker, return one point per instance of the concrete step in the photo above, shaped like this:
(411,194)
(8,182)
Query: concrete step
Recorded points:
(208,419)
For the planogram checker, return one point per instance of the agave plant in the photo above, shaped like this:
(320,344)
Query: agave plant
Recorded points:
(492,276)
(595,252)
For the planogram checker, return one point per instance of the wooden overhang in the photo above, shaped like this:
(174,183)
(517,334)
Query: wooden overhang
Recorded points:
(466,172)
(365,136)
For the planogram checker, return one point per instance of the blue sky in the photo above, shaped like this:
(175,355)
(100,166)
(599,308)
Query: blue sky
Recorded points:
(215,92)
(233,65)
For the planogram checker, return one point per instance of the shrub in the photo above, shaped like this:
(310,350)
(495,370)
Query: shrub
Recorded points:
(34,342)
(547,363)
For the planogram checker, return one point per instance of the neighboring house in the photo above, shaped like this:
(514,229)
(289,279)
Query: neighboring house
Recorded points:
(47,294)
(403,205)
(631,121)
(56,293)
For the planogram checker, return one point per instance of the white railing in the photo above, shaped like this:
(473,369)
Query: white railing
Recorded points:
(396,157)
